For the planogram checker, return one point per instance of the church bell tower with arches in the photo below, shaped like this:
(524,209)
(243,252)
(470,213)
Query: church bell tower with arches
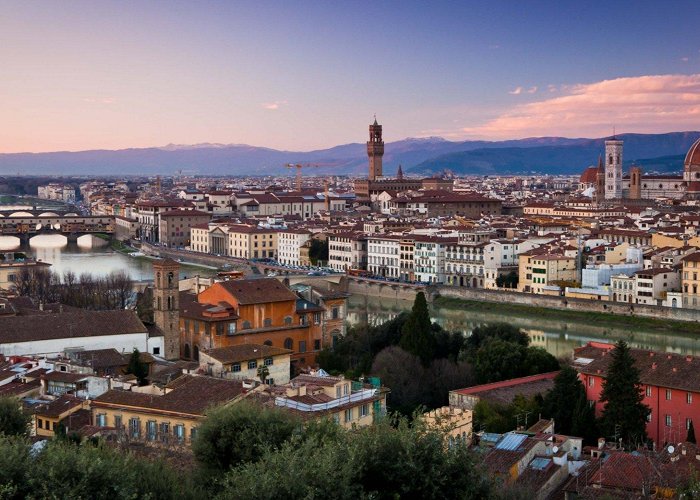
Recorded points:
(166,306)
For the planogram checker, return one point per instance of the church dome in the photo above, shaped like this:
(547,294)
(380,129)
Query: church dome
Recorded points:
(693,156)
(589,176)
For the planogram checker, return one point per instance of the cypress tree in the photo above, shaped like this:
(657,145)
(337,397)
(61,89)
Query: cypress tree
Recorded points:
(690,438)
(137,368)
(416,335)
(624,414)
(560,403)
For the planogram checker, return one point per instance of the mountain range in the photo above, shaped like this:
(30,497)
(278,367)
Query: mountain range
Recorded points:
(425,156)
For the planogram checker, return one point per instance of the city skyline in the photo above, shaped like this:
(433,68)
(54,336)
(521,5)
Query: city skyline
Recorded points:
(106,75)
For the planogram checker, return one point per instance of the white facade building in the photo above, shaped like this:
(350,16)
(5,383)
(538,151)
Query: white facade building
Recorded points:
(383,256)
(288,244)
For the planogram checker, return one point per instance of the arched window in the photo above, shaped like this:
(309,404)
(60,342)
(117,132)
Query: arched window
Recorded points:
(187,351)
(269,342)
(287,320)
(170,303)
(267,322)
(289,344)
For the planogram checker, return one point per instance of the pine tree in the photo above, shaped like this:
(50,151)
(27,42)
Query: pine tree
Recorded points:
(624,414)
(560,403)
(416,335)
(583,422)
(690,438)
(137,368)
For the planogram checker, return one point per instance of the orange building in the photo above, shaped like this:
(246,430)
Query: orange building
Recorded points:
(253,311)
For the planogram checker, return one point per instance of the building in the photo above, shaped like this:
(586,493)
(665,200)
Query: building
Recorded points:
(174,226)
(67,411)
(166,308)
(57,191)
(669,382)
(429,258)
(50,334)
(464,261)
(383,256)
(613,169)
(241,362)
(351,404)
(289,245)
(147,213)
(235,240)
(455,423)
(539,270)
(502,393)
(13,265)
(347,251)
(171,418)
(254,311)
(690,280)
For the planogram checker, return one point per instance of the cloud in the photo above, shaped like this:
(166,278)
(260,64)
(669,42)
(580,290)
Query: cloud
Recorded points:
(685,59)
(521,90)
(516,91)
(652,103)
(272,106)
(532,90)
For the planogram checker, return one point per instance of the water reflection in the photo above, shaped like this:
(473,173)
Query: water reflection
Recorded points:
(556,336)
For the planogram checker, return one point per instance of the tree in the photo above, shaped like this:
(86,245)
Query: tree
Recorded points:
(584,424)
(560,402)
(404,374)
(503,331)
(240,433)
(137,367)
(416,334)
(13,421)
(538,360)
(624,414)
(318,251)
(497,360)
(690,438)
(263,373)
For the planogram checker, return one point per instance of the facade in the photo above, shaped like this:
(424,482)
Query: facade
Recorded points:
(653,285)
(347,251)
(429,258)
(235,240)
(166,308)
(174,226)
(464,262)
(171,418)
(147,215)
(56,191)
(289,244)
(12,265)
(383,256)
(690,280)
(241,362)
(47,417)
(613,169)
(375,151)
(669,382)
(256,311)
(539,270)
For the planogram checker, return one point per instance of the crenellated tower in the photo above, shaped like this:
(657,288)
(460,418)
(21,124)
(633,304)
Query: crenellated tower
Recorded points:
(375,150)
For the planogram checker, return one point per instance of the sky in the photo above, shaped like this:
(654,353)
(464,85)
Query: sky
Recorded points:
(302,75)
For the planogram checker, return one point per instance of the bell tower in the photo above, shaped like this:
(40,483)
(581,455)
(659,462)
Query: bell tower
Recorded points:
(613,169)
(166,307)
(375,150)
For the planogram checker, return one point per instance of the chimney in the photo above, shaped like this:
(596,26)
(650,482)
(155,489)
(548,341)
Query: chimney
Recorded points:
(651,354)
(668,356)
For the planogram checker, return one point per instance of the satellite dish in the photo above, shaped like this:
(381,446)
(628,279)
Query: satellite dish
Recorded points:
(671,449)
(555,449)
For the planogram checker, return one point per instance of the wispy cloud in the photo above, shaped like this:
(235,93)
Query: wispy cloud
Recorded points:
(650,103)
(523,90)
(516,91)
(685,59)
(272,106)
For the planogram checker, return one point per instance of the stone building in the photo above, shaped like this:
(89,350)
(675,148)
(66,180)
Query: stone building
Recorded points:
(166,304)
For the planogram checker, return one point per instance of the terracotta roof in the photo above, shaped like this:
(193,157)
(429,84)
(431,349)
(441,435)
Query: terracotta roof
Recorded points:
(83,323)
(59,406)
(505,391)
(244,352)
(191,395)
(258,291)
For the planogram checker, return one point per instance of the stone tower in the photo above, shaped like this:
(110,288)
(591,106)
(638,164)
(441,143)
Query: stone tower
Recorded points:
(166,306)
(635,183)
(613,169)
(375,150)
(600,183)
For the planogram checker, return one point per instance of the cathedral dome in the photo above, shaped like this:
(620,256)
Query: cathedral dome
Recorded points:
(589,176)
(693,156)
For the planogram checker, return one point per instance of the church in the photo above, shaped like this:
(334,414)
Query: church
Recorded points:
(608,185)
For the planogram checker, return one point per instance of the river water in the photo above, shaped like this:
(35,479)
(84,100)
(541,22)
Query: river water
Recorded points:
(557,336)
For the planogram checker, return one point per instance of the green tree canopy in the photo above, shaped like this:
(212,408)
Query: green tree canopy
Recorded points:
(240,433)
(560,402)
(538,360)
(13,421)
(502,331)
(137,368)
(416,334)
(624,414)
(498,359)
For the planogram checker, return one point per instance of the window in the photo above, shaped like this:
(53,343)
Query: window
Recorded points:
(151,430)
(364,410)
(289,344)
(252,364)
(668,394)
(246,325)
(101,420)
(193,433)
(302,346)
(317,318)
(688,423)
(118,421)
(348,415)
(268,361)
(179,433)
(164,431)
(689,398)
(337,391)
(236,367)
(591,381)
(317,345)
(220,328)
(156,351)
(346,389)
(287,320)
(40,423)
(232,328)
(134,428)
(648,391)
(668,421)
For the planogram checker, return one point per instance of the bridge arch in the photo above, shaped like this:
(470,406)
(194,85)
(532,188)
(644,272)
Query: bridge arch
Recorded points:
(48,214)
(21,214)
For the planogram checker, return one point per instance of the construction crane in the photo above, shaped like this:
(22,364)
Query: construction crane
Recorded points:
(298,166)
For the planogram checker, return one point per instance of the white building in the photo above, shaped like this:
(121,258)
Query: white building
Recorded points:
(288,244)
(429,258)
(501,257)
(347,251)
(653,285)
(383,256)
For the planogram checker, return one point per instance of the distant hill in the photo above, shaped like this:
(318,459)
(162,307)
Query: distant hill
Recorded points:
(420,156)
(660,152)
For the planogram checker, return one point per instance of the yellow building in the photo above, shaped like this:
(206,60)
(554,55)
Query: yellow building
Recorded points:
(234,240)
(537,270)
(67,410)
(690,280)
(455,423)
(12,265)
(171,418)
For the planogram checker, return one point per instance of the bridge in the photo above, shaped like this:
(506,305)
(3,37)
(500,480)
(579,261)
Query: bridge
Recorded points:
(25,224)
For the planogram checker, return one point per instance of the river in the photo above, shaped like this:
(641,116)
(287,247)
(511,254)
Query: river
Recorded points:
(557,336)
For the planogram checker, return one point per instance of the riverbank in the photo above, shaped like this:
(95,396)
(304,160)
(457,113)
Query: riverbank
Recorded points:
(588,317)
